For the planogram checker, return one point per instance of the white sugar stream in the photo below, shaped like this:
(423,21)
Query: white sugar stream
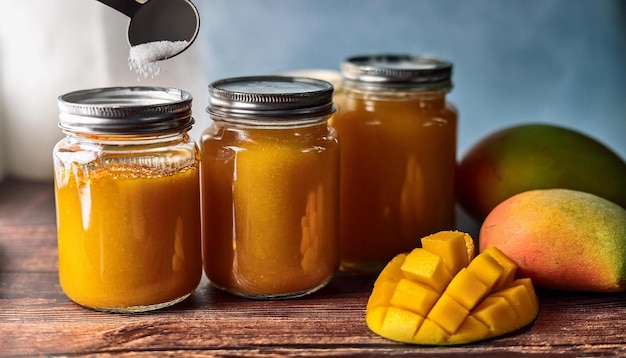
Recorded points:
(143,58)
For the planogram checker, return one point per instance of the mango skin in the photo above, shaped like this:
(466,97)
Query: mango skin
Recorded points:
(561,239)
(536,156)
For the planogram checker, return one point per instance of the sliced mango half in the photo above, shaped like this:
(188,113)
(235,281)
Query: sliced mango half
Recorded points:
(440,294)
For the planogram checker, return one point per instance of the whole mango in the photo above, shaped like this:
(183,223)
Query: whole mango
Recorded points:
(561,239)
(536,156)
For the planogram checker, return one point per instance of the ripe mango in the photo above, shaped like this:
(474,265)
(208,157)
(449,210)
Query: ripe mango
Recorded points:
(536,156)
(561,239)
(440,294)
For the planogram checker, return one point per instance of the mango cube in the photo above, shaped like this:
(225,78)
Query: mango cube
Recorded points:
(526,282)
(400,324)
(392,271)
(486,269)
(451,247)
(518,297)
(425,267)
(381,296)
(431,333)
(414,296)
(470,329)
(448,313)
(375,317)
(466,289)
(496,313)
(507,264)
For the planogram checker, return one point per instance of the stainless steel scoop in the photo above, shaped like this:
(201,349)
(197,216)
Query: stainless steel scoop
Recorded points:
(159,20)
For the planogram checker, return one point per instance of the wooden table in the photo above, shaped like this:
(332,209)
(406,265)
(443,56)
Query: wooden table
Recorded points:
(37,319)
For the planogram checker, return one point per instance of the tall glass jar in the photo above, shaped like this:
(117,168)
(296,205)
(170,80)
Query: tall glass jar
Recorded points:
(127,198)
(270,186)
(398,154)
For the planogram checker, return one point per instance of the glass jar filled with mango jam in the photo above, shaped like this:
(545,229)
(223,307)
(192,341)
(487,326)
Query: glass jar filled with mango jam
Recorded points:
(398,153)
(127,198)
(270,185)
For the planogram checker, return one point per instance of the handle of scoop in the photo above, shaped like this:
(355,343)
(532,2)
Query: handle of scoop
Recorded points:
(126,7)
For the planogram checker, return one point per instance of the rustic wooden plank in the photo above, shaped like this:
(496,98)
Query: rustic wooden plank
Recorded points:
(27,226)
(212,319)
(26,202)
(26,248)
(37,319)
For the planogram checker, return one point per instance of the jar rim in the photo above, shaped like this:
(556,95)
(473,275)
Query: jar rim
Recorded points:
(271,97)
(125,110)
(397,71)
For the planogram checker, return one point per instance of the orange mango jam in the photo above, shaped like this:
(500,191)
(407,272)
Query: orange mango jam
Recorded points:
(397,174)
(128,236)
(269,201)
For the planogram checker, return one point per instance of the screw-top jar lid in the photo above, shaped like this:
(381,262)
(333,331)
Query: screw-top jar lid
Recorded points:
(398,71)
(274,98)
(125,110)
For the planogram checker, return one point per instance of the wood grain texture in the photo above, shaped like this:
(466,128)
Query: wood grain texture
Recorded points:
(37,319)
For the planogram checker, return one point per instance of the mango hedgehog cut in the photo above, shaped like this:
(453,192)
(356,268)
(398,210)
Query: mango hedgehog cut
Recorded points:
(440,294)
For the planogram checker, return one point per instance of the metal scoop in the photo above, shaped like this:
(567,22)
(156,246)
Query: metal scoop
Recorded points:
(159,20)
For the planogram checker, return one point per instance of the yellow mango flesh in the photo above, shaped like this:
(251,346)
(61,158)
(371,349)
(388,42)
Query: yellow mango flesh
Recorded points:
(450,244)
(448,313)
(426,267)
(487,270)
(413,296)
(440,298)
(467,289)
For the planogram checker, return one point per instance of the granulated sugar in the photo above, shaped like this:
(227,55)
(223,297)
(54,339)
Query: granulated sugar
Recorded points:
(143,57)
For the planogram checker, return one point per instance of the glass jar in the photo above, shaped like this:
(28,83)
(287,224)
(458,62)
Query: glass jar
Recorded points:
(127,198)
(398,155)
(270,186)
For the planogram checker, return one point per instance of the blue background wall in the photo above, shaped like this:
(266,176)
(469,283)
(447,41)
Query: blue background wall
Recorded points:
(556,61)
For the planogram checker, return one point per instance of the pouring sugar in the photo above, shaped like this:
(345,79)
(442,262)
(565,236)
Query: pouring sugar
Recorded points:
(142,58)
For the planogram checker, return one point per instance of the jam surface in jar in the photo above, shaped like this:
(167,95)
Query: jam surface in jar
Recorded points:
(123,237)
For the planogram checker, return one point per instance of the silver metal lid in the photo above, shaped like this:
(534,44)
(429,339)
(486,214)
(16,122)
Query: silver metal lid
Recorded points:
(274,98)
(398,71)
(125,110)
